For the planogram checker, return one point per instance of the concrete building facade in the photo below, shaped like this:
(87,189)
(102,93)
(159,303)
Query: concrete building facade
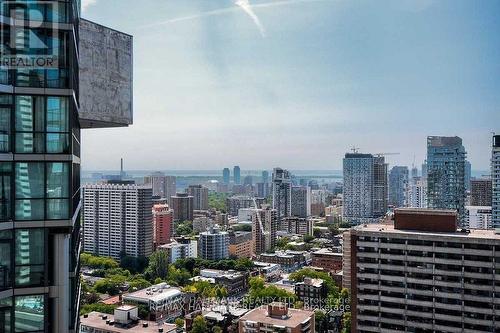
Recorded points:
(420,273)
(117,219)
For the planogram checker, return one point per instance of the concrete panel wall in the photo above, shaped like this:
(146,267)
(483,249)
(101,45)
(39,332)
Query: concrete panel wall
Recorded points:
(106,70)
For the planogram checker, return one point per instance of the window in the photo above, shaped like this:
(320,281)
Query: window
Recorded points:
(42,191)
(5,190)
(30,191)
(5,314)
(30,122)
(41,124)
(5,114)
(29,313)
(5,260)
(30,258)
(57,191)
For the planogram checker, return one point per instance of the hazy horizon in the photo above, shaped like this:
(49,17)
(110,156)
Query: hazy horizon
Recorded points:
(300,82)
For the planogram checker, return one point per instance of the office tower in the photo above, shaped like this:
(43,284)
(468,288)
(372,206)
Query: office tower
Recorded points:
(237,175)
(226,176)
(468,174)
(264,227)
(421,274)
(183,206)
(265,176)
(262,190)
(43,107)
(163,186)
(163,224)
(213,244)
(481,191)
(365,188)
(248,180)
(301,201)
(200,196)
(495,181)
(446,174)
(417,193)
(117,219)
(478,217)
(282,192)
(398,186)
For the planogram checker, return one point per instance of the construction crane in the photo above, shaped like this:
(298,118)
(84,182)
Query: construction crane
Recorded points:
(264,232)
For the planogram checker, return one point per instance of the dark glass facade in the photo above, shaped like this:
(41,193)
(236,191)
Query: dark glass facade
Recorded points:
(39,170)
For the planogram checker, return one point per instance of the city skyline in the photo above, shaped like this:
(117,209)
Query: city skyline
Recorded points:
(330,78)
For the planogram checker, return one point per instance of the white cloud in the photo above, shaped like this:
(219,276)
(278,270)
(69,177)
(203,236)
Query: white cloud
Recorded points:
(88,3)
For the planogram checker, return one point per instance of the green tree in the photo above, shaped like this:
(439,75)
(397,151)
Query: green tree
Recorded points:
(199,325)
(179,322)
(346,322)
(308,238)
(89,260)
(98,307)
(158,266)
(299,276)
(216,329)
(134,264)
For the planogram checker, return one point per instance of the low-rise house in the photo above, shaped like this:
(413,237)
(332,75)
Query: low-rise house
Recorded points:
(163,301)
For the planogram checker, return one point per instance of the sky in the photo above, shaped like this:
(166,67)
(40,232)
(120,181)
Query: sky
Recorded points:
(298,83)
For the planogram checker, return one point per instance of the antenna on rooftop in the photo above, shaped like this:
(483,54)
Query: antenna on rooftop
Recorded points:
(355,149)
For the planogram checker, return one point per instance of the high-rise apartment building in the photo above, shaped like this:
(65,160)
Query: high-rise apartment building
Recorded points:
(365,188)
(46,78)
(213,244)
(226,176)
(296,225)
(265,176)
(264,227)
(163,224)
(419,274)
(301,201)
(495,181)
(237,202)
(200,196)
(481,191)
(398,186)
(237,175)
(467,175)
(478,217)
(446,174)
(183,206)
(117,219)
(163,186)
(262,190)
(282,192)
(417,193)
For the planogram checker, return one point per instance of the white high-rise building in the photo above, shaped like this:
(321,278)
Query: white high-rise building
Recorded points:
(417,193)
(213,244)
(478,217)
(495,181)
(301,201)
(365,188)
(117,219)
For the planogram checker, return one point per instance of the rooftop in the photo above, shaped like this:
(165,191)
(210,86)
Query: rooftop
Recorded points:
(154,293)
(95,320)
(470,234)
(295,317)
